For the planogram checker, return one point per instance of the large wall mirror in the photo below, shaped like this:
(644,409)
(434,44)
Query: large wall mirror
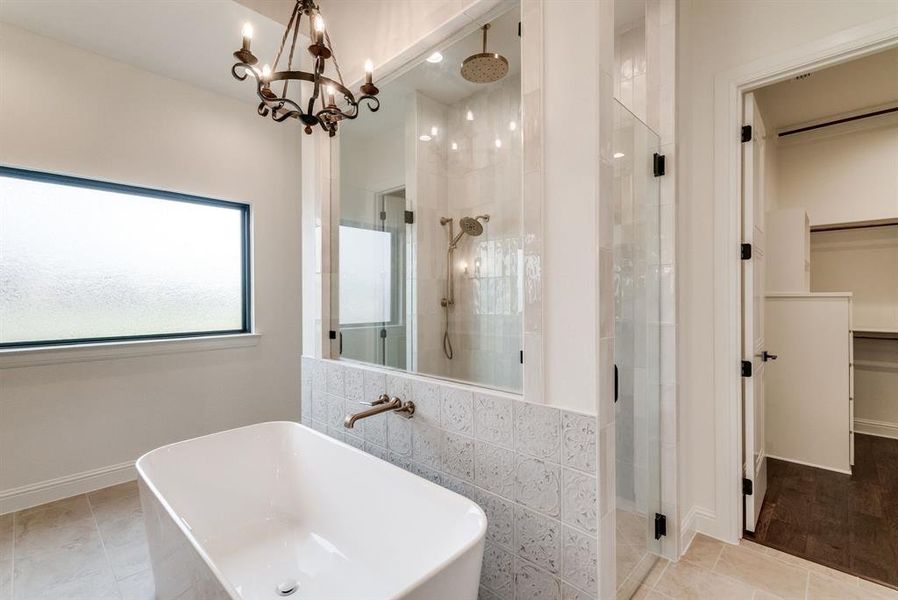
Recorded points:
(430,246)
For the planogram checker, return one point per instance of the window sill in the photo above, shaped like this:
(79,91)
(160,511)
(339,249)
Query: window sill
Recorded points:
(50,355)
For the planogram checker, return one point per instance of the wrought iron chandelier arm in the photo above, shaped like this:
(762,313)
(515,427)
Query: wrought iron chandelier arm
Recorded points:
(281,107)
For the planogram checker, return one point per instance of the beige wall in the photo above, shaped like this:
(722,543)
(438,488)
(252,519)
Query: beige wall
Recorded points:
(862,261)
(68,111)
(843,173)
(715,36)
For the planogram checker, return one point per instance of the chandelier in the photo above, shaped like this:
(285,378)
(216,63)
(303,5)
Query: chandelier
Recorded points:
(277,103)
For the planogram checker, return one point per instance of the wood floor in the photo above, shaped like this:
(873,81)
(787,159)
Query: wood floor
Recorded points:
(845,522)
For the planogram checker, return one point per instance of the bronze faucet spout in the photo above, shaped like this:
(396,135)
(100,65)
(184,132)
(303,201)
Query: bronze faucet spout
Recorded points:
(404,408)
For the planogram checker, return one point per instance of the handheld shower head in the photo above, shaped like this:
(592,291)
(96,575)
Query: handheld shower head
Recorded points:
(471,226)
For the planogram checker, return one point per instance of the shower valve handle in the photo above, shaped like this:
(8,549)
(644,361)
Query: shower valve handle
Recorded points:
(382,399)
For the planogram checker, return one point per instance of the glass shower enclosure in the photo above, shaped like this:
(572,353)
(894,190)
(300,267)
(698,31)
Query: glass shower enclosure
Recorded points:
(637,344)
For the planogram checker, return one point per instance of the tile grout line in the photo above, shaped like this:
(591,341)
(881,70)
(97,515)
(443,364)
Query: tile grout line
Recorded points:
(12,565)
(717,558)
(103,544)
(660,575)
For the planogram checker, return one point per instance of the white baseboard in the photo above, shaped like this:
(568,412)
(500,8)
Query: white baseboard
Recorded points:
(697,520)
(810,464)
(42,492)
(878,428)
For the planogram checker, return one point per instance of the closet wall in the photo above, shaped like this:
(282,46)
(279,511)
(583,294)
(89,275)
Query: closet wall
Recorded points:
(863,261)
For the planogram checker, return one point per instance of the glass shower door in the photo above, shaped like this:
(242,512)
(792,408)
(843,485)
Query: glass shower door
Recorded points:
(637,344)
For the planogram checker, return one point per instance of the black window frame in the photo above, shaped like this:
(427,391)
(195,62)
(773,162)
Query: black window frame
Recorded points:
(164,195)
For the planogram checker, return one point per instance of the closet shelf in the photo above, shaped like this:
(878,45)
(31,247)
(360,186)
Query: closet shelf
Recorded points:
(876,364)
(885,333)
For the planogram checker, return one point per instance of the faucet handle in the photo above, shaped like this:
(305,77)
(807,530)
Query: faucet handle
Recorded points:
(382,399)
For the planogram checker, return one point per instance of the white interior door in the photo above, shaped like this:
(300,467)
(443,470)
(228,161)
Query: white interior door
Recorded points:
(753,339)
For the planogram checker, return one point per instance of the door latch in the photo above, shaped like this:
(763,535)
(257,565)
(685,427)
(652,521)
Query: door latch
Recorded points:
(765,356)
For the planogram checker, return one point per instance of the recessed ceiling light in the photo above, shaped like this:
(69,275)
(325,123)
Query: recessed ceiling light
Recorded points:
(498,143)
(619,155)
(454,146)
(470,116)
(424,138)
(434,130)
(435,58)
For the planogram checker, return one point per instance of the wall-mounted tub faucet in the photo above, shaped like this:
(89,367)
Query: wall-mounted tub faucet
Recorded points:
(404,408)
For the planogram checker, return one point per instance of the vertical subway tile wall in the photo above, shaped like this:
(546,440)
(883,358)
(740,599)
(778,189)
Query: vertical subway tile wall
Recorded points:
(531,468)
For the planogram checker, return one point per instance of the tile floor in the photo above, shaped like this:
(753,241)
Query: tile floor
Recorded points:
(713,570)
(89,547)
(633,558)
(92,547)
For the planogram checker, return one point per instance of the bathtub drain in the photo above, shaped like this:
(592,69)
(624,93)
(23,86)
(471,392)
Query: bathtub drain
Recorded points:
(287,587)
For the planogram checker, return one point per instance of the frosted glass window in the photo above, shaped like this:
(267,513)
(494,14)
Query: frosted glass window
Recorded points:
(365,273)
(83,260)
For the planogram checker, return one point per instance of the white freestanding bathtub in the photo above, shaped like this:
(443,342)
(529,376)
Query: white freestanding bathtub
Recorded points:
(236,514)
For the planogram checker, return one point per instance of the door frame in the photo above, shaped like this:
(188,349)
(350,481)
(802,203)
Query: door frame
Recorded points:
(729,90)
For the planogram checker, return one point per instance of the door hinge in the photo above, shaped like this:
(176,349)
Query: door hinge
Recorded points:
(383,215)
(658,164)
(383,333)
(522,357)
(746,368)
(746,133)
(747,487)
(745,251)
(660,526)
(519,29)
(616,385)
(409,217)
(331,335)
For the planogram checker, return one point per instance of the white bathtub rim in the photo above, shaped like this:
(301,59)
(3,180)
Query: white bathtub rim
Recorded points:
(229,588)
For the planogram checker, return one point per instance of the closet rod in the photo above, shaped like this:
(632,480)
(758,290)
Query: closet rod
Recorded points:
(846,227)
(875,113)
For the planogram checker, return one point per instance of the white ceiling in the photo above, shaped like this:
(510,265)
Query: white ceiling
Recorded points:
(441,81)
(188,40)
(866,82)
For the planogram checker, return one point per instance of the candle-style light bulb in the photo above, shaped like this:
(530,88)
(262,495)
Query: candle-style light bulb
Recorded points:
(247,35)
(319,29)
(332,101)
(266,73)
(369,71)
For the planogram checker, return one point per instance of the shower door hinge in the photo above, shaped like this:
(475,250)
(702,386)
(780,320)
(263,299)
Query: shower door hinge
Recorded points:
(745,251)
(746,133)
(616,385)
(746,368)
(747,487)
(409,217)
(383,333)
(383,215)
(658,164)
(331,335)
(660,526)
(522,357)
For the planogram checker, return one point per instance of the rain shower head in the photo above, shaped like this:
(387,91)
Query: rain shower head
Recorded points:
(485,67)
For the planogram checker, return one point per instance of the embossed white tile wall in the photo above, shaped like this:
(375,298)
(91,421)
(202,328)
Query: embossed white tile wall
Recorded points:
(530,467)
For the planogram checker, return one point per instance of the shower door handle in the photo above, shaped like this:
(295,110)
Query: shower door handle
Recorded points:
(765,356)
(615,384)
